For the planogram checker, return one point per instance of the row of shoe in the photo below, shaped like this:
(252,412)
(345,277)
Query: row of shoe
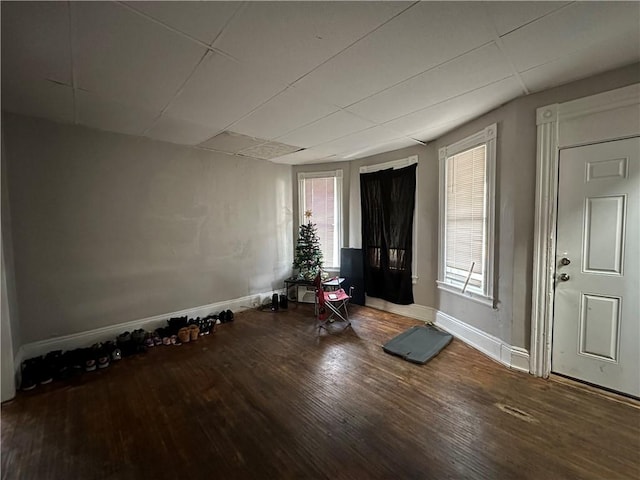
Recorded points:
(59,365)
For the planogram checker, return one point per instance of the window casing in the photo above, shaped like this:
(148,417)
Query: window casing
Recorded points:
(467,192)
(321,192)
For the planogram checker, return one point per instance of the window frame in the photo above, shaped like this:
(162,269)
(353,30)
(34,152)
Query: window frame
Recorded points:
(338,175)
(487,137)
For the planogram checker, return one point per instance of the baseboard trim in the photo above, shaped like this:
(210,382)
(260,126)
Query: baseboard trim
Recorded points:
(516,358)
(89,337)
(513,357)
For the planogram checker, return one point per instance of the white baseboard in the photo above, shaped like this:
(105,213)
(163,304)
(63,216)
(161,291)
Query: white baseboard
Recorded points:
(519,359)
(419,312)
(513,357)
(102,334)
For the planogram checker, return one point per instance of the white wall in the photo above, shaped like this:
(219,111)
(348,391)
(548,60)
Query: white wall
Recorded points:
(109,228)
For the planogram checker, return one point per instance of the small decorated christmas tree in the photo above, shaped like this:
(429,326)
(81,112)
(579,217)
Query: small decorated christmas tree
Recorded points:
(308,256)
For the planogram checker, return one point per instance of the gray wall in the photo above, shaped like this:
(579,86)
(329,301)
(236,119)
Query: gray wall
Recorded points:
(516,171)
(109,228)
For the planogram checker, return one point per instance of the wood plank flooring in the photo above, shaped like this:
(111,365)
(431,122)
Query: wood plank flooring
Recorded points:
(265,398)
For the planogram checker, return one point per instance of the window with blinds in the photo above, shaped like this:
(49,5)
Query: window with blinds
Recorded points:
(467,203)
(465,216)
(320,193)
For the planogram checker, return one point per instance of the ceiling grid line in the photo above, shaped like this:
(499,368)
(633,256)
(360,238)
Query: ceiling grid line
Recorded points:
(238,11)
(498,42)
(551,12)
(178,91)
(434,67)
(354,42)
(340,80)
(177,31)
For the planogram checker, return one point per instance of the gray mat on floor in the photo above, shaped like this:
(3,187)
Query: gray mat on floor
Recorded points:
(418,344)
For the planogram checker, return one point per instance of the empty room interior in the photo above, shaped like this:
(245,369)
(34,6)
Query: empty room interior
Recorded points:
(217,217)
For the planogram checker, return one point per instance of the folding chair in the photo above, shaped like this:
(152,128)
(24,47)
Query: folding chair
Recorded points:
(331,306)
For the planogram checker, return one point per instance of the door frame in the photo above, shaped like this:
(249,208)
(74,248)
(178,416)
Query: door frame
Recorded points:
(603,117)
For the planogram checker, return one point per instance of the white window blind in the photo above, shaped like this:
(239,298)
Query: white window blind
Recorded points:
(465,216)
(467,188)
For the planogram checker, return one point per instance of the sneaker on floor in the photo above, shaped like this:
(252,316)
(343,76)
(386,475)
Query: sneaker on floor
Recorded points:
(29,372)
(101,355)
(89,359)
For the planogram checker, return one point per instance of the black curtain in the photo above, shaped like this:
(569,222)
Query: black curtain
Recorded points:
(388,200)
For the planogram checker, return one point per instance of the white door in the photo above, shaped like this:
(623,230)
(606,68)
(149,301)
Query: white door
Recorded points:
(596,321)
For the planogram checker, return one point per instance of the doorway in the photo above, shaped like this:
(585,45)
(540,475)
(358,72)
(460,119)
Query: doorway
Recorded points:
(596,328)
(575,128)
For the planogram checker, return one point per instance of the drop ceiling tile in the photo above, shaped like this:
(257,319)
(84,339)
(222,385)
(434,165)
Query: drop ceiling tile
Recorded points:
(508,16)
(465,106)
(360,141)
(388,146)
(578,26)
(123,56)
(426,35)
(268,151)
(326,129)
(283,113)
(39,98)
(437,129)
(304,157)
(35,41)
(201,20)
(104,114)
(616,52)
(294,37)
(180,131)
(466,73)
(221,92)
(231,142)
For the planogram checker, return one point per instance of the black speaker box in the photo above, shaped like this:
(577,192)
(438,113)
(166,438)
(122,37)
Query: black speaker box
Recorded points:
(284,301)
(352,269)
(274,302)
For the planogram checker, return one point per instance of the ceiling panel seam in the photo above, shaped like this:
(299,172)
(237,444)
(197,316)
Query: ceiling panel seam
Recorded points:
(384,124)
(240,9)
(498,41)
(555,10)
(354,42)
(178,90)
(449,60)
(177,31)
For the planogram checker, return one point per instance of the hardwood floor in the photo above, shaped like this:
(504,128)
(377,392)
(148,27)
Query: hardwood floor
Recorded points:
(265,398)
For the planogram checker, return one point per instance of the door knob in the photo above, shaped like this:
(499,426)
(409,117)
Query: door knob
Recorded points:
(564,277)
(565,261)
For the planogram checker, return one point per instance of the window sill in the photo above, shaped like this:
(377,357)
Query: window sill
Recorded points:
(474,297)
